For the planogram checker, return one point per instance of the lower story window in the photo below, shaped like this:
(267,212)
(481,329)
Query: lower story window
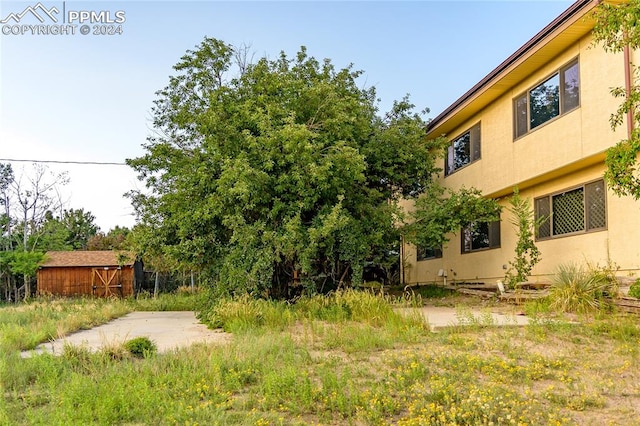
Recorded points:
(425,253)
(480,236)
(577,210)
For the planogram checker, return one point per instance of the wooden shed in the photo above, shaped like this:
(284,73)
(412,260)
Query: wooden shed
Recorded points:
(98,273)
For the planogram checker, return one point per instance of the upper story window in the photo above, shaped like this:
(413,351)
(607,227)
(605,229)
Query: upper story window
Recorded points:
(556,95)
(480,236)
(577,210)
(463,150)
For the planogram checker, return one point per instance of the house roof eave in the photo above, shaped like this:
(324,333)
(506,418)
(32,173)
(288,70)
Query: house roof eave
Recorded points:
(563,31)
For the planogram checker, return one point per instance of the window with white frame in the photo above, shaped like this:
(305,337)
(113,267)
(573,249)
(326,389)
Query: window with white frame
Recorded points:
(577,210)
(556,95)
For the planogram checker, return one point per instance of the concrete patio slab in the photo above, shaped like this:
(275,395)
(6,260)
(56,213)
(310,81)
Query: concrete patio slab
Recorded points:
(440,317)
(175,329)
(168,329)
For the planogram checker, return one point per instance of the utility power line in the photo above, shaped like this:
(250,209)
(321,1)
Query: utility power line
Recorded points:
(90,163)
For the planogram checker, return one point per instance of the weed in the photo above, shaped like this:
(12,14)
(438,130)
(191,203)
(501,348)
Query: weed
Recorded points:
(141,347)
(467,318)
(634,290)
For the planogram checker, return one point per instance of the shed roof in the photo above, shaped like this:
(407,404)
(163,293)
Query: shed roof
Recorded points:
(61,259)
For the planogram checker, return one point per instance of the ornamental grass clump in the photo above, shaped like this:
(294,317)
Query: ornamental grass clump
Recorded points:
(575,289)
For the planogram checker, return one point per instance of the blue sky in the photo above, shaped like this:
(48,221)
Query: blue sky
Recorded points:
(88,97)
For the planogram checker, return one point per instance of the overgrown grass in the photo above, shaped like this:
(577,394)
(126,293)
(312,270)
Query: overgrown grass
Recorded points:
(182,300)
(343,359)
(24,326)
(245,312)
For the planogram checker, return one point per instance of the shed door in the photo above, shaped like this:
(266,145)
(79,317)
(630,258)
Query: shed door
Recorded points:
(106,282)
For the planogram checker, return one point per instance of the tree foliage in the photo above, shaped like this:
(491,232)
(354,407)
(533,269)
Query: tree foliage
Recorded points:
(25,262)
(115,239)
(80,226)
(6,178)
(617,28)
(440,212)
(280,168)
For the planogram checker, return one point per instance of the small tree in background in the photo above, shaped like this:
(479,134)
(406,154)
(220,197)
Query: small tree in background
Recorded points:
(80,226)
(115,239)
(527,253)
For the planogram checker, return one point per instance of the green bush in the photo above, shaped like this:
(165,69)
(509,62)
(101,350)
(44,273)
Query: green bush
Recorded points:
(634,290)
(141,347)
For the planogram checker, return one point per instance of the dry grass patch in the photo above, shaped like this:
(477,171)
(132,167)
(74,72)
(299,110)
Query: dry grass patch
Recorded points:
(339,370)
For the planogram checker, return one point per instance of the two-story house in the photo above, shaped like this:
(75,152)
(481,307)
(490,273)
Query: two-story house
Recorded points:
(539,121)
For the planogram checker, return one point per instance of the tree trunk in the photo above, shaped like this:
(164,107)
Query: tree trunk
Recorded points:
(156,287)
(27,287)
(344,275)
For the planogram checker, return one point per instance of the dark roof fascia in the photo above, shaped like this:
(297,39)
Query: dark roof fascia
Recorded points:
(528,46)
(89,265)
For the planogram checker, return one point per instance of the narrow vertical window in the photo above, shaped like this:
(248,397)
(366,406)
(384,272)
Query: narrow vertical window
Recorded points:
(595,205)
(570,87)
(474,141)
(521,120)
(450,161)
(543,215)
(462,150)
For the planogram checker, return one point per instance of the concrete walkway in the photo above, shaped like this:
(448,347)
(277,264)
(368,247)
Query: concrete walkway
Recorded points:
(440,317)
(169,330)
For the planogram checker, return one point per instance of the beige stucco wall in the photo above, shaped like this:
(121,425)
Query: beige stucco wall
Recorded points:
(569,138)
(618,245)
(564,152)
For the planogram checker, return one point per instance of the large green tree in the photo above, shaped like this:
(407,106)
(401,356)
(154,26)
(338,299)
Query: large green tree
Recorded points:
(279,169)
(617,29)
(115,239)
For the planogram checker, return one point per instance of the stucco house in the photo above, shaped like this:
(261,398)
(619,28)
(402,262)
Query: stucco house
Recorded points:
(539,121)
